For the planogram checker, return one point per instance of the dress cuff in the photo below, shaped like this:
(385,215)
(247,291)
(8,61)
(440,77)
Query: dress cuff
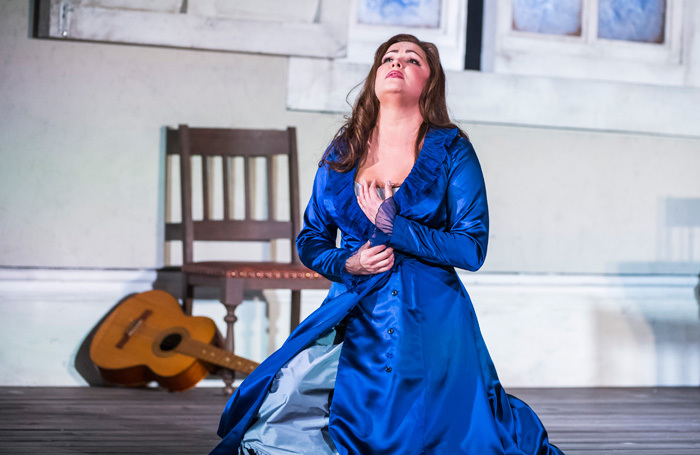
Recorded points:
(385,216)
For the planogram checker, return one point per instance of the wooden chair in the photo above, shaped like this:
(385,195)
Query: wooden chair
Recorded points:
(235,276)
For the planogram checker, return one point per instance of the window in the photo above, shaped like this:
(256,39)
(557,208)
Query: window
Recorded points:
(622,40)
(624,80)
(442,22)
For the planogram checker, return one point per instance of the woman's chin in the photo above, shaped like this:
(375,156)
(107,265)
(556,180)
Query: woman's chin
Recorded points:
(394,90)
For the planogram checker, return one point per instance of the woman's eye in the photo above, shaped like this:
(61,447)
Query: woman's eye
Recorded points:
(386,59)
(414,61)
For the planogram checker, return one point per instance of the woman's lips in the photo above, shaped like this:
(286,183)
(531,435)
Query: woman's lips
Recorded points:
(394,74)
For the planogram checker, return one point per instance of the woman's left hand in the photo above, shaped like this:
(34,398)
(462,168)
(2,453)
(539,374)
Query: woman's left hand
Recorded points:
(369,200)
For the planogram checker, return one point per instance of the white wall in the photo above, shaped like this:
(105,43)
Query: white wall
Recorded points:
(82,170)
(541,330)
(565,201)
(82,146)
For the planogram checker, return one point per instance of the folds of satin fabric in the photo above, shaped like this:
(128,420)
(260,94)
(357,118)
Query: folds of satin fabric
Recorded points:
(295,412)
(414,375)
(243,405)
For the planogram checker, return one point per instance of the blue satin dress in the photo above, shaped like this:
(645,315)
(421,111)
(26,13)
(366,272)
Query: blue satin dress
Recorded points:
(413,375)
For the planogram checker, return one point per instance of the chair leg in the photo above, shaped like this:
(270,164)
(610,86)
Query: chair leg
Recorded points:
(295,311)
(231,297)
(187,296)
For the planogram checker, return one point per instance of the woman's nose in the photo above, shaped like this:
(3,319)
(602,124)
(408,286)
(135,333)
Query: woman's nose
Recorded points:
(396,63)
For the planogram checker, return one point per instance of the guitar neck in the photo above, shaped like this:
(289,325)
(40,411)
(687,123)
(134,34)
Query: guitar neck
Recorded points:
(217,356)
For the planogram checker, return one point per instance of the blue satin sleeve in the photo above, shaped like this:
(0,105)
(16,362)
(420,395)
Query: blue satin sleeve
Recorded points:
(464,241)
(316,243)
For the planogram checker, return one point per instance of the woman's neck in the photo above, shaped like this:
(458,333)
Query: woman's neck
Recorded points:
(392,146)
(396,130)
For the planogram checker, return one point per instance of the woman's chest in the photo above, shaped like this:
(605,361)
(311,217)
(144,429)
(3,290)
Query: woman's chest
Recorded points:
(394,170)
(420,198)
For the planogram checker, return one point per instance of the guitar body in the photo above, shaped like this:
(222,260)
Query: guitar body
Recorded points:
(143,338)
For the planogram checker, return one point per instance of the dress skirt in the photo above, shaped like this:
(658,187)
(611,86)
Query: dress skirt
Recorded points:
(295,412)
(433,390)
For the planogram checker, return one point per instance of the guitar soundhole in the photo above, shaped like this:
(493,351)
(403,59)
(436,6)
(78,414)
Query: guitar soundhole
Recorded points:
(170,342)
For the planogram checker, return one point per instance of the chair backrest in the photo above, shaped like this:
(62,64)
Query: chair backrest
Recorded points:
(227,145)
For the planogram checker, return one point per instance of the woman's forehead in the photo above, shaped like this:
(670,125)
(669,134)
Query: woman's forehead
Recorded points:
(406,46)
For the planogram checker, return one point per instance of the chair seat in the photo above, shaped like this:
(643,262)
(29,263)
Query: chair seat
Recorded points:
(271,270)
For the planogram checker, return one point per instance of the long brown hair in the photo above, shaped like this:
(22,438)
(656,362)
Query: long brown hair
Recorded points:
(352,138)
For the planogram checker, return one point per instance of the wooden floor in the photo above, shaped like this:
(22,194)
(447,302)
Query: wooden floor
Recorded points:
(81,420)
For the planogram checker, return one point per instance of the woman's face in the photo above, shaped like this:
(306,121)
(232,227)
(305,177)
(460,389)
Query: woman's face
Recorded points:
(404,71)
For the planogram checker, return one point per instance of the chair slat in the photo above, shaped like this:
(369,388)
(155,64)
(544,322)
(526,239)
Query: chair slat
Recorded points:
(225,163)
(205,187)
(221,230)
(247,190)
(270,189)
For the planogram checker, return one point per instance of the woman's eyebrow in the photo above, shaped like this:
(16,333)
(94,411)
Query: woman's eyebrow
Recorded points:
(407,51)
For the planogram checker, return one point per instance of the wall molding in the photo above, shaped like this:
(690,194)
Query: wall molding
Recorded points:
(319,85)
(75,280)
(72,283)
(542,330)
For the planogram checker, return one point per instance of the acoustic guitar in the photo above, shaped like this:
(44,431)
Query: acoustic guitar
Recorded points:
(148,337)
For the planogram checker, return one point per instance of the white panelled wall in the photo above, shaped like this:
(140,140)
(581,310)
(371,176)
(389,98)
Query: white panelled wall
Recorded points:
(541,330)
(593,187)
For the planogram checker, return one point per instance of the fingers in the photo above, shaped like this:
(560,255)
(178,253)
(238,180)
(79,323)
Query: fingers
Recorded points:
(385,265)
(373,189)
(368,199)
(377,259)
(388,190)
(368,192)
(363,190)
(380,250)
(368,189)
(363,198)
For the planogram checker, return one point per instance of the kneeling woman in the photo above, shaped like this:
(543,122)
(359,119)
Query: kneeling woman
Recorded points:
(393,362)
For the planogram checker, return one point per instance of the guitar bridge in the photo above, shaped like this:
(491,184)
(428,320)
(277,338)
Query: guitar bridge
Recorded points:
(133,327)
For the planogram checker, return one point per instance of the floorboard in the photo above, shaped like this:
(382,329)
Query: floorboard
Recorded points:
(93,420)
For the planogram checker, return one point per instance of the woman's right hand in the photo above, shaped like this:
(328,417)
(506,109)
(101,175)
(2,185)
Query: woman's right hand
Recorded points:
(370,260)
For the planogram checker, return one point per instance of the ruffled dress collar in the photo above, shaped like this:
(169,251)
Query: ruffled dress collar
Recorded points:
(413,190)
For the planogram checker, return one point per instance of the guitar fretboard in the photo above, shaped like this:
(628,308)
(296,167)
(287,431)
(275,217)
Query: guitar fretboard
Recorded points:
(217,356)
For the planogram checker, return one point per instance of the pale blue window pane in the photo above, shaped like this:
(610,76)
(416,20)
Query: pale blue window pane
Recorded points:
(632,20)
(557,17)
(411,13)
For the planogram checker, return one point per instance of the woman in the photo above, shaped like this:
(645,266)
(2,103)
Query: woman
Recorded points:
(393,361)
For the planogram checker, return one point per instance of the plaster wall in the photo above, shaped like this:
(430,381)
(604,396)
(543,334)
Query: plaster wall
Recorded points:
(541,330)
(81,187)
(82,144)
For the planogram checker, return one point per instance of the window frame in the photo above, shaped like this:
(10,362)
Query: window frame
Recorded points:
(449,37)
(174,23)
(585,56)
